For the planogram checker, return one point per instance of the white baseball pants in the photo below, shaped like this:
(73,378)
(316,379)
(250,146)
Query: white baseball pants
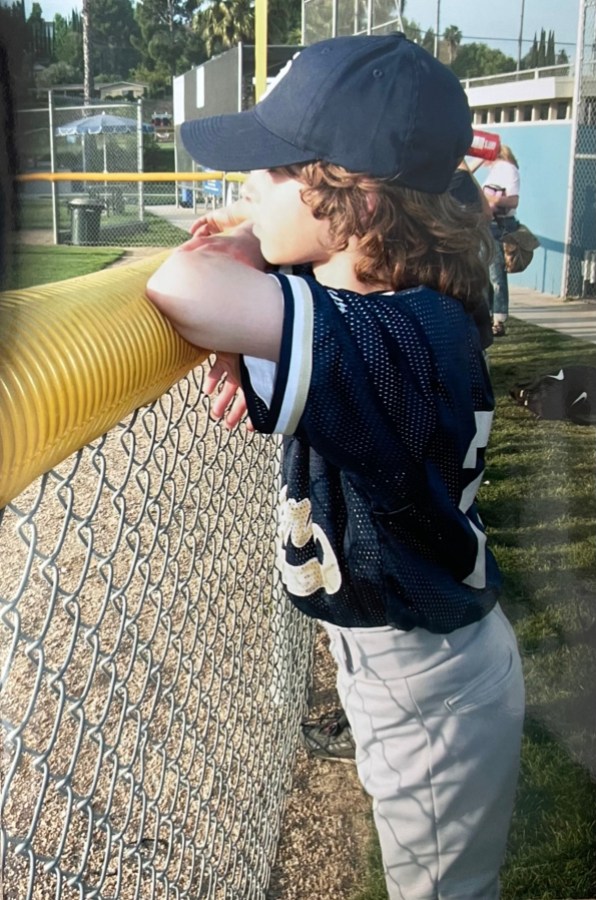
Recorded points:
(437,722)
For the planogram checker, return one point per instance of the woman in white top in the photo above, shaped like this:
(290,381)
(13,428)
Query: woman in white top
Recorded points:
(501,188)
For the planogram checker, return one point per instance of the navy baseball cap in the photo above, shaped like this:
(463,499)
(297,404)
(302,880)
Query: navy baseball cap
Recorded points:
(375,104)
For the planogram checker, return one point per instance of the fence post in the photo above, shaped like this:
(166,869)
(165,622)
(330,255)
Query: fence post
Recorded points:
(140,155)
(575,114)
(53,166)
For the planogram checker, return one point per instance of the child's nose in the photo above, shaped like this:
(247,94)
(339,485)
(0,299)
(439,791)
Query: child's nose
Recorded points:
(247,191)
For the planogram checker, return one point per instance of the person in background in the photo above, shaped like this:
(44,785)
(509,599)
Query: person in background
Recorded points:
(501,188)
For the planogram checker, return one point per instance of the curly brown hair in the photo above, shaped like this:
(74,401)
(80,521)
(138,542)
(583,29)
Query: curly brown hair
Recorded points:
(407,238)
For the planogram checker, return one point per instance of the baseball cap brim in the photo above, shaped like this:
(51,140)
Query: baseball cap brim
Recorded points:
(239,142)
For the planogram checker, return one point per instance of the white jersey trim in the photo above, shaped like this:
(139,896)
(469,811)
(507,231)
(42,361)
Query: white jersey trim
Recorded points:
(300,364)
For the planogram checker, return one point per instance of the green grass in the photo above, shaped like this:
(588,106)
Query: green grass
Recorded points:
(34,265)
(119,230)
(539,505)
(152,232)
(36,213)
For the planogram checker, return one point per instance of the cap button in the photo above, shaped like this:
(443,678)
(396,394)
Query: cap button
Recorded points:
(377,73)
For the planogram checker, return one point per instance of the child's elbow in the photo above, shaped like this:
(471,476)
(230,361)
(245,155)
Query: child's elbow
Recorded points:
(154,292)
(161,292)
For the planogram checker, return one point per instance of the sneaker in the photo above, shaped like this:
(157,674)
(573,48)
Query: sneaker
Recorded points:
(329,737)
(498,329)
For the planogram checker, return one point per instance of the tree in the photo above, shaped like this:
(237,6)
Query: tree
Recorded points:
(284,22)
(224,23)
(550,49)
(530,60)
(18,50)
(562,58)
(428,41)
(68,43)
(542,48)
(113,26)
(36,15)
(165,41)
(413,31)
(57,73)
(39,35)
(452,37)
(474,60)
(541,53)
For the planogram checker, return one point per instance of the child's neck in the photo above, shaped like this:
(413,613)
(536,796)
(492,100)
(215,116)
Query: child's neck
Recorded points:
(339,271)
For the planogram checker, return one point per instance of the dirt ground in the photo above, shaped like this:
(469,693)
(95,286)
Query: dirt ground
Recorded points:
(326,823)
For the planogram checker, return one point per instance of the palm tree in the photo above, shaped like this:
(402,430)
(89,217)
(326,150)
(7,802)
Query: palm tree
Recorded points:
(452,37)
(224,23)
(87,69)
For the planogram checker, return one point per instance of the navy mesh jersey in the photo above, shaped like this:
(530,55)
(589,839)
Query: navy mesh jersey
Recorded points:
(386,404)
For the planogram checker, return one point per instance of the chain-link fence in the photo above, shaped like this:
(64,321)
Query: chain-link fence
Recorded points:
(152,675)
(329,18)
(150,210)
(581,232)
(77,142)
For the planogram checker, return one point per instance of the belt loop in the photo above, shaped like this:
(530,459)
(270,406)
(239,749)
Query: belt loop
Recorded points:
(347,654)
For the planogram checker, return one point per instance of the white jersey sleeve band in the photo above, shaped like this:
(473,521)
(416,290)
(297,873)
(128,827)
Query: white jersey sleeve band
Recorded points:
(300,365)
(284,390)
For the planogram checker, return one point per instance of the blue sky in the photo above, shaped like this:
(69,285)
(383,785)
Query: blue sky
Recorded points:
(493,23)
(498,23)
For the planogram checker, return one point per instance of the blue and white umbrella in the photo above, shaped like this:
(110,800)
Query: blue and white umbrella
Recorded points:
(102,123)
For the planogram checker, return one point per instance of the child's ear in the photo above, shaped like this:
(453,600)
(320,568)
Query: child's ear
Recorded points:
(371,202)
(370,205)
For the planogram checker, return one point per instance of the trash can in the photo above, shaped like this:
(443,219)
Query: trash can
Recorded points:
(85,217)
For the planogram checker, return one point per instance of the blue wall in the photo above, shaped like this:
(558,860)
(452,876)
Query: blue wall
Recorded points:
(543,151)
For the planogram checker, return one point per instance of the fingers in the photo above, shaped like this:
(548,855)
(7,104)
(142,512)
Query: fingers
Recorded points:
(205,225)
(196,241)
(216,373)
(228,404)
(224,399)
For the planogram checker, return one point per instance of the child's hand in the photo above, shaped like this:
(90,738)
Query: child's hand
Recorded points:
(239,244)
(229,403)
(218,220)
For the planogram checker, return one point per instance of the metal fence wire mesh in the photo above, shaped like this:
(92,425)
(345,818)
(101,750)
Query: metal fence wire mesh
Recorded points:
(84,212)
(582,238)
(153,676)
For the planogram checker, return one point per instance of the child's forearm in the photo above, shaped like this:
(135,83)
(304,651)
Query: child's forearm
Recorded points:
(219,302)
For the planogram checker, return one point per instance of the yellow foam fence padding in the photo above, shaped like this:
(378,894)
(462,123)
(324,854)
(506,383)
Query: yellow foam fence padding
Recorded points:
(76,357)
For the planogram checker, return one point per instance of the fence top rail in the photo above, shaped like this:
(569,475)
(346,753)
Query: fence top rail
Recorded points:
(76,357)
(131,176)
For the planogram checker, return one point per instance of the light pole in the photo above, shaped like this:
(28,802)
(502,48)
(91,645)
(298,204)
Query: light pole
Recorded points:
(437,28)
(521,35)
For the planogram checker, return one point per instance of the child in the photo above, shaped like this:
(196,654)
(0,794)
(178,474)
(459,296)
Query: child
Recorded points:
(372,367)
